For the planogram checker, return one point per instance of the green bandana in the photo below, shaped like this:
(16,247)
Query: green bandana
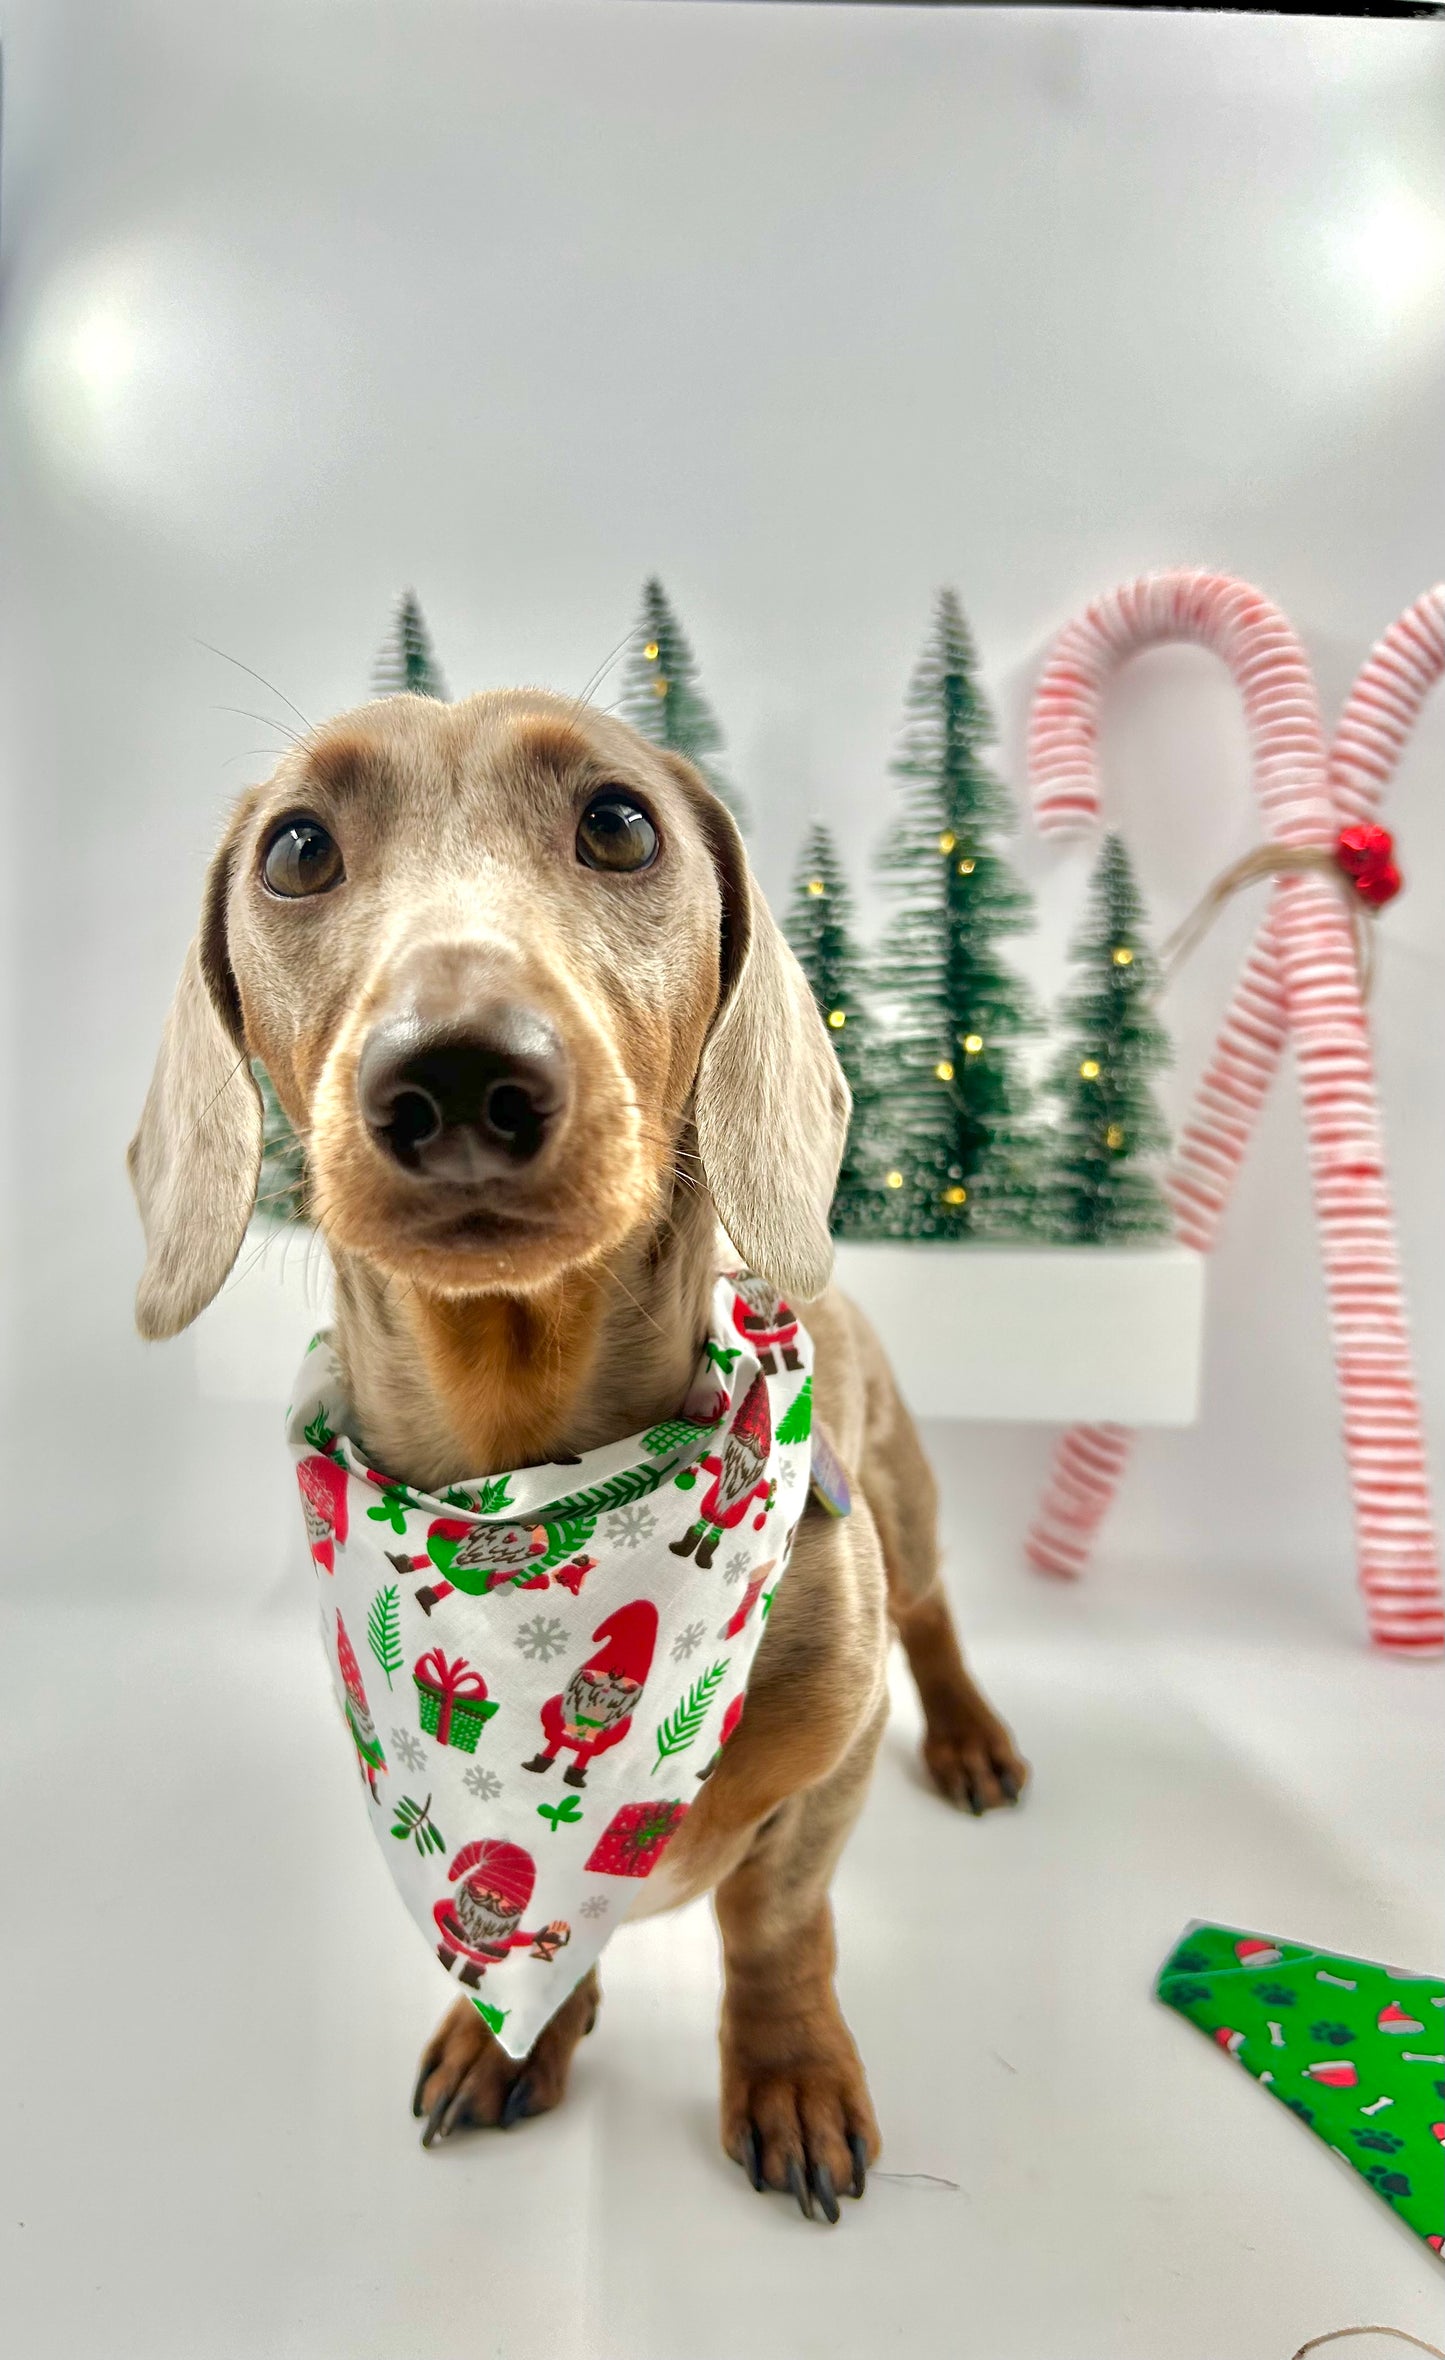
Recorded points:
(1354,2049)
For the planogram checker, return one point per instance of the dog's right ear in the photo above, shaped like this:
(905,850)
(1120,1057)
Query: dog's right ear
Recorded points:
(195,1161)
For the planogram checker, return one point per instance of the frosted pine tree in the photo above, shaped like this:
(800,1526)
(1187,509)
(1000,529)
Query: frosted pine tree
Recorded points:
(407,664)
(661,696)
(954,1117)
(1099,1183)
(819,925)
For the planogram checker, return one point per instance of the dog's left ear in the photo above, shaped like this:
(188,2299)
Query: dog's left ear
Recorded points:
(195,1160)
(771,1105)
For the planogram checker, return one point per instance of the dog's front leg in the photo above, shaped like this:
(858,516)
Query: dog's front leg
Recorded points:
(795,2107)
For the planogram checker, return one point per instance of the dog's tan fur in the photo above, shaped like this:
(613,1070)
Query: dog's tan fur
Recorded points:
(529,1324)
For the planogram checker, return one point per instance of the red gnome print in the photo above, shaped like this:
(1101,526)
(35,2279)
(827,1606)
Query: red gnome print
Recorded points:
(764,1321)
(323,1504)
(358,1712)
(739,1478)
(594,1710)
(475,1558)
(480,1920)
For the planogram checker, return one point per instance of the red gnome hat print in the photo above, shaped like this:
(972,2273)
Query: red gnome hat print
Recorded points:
(358,1712)
(594,1710)
(739,1478)
(323,1504)
(481,1919)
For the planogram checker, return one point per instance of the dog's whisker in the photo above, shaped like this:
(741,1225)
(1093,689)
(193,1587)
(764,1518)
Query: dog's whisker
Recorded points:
(268,685)
(269,719)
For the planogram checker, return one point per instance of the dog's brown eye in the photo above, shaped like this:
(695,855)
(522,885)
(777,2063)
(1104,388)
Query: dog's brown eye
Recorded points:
(301,858)
(615,832)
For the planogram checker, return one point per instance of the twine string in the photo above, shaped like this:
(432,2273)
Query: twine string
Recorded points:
(1272,860)
(1337,2335)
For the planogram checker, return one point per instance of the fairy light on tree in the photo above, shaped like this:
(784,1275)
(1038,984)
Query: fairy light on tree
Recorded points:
(662,699)
(1099,1182)
(819,925)
(955,1107)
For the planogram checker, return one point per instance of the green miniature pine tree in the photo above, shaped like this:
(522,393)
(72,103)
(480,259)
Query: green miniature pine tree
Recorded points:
(281,1194)
(819,925)
(407,664)
(661,697)
(1098,1183)
(954,1117)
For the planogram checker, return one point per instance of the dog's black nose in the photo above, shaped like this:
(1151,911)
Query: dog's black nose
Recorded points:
(464,1101)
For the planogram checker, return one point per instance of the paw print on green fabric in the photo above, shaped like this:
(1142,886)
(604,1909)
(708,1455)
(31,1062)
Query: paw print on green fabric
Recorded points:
(1189,1995)
(1192,1962)
(1278,1995)
(1389,2183)
(1298,2106)
(1334,2036)
(1383,2142)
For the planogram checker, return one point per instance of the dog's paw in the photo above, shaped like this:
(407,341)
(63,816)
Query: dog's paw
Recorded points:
(975,1764)
(467,2080)
(807,2129)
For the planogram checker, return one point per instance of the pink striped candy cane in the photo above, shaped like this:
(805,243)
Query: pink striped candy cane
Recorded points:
(1300,977)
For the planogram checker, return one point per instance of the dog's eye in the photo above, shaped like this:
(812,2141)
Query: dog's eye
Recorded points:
(301,858)
(615,832)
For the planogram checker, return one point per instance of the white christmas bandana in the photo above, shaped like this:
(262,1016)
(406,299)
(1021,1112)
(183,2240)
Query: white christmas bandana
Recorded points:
(539,1669)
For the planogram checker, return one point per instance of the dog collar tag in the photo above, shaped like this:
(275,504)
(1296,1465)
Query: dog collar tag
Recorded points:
(538,1670)
(827,1481)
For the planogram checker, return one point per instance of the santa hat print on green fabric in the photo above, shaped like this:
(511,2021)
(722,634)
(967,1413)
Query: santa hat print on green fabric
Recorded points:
(1356,2050)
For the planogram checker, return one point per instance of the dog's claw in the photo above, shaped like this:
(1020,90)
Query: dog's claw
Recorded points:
(1009,1784)
(433,2129)
(797,2182)
(753,2160)
(421,2081)
(825,2191)
(858,2149)
(514,2105)
(974,1803)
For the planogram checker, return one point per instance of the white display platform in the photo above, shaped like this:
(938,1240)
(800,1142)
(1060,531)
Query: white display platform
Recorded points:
(1043,1334)
(1040,1334)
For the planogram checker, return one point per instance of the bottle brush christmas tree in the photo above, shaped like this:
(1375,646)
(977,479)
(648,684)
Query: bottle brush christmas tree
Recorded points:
(407,664)
(1099,1184)
(953,1121)
(661,697)
(819,925)
(281,1192)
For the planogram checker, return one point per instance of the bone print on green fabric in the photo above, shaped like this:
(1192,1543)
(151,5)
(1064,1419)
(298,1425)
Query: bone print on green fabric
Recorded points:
(1355,2049)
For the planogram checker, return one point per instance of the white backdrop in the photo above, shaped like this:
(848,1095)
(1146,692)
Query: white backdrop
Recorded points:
(809,310)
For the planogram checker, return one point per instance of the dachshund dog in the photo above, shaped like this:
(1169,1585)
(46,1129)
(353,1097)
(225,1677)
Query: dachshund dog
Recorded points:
(520,996)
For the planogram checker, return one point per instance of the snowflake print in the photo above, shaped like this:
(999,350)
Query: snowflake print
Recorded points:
(484,1784)
(408,1748)
(628,1528)
(541,1638)
(597,1907)
(789,1475)
(686,1641)
(737,1567)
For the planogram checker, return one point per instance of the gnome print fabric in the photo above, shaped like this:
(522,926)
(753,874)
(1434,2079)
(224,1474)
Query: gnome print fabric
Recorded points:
(537,1670)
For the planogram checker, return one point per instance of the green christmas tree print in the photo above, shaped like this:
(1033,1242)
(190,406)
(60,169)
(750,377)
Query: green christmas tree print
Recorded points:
(954,1112)
(819,925)
(407,664)
(281,1193)
(662,699)
(1099,1183)
(796,1423)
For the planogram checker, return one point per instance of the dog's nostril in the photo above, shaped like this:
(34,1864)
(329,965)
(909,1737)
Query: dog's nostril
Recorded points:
(416,1120)
(511,1111)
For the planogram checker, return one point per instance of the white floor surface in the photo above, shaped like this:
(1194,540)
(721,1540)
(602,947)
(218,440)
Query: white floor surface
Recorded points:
(213,2004)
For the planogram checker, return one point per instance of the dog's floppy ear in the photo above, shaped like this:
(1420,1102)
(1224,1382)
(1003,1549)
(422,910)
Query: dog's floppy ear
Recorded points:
(770,1104)
(195,1160)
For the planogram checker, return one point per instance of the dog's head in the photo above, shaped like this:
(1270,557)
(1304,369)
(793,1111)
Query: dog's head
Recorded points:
(493,955)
